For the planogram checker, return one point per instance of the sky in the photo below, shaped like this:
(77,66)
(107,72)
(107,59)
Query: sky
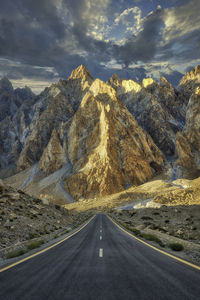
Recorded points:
(44,40)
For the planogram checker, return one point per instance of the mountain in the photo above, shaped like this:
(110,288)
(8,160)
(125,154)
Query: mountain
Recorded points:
(189,82)
(83,138)
(188,141)
(108,150)
(53,109)
(155,106)
(15,116)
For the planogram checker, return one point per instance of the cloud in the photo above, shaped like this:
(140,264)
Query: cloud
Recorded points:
(131,18)
(181,34)
(143,46)
(48,38)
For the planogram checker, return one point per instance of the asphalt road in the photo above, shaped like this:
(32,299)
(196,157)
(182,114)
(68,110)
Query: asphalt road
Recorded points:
(100,262)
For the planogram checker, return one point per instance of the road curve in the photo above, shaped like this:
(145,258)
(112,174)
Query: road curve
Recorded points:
(100,262)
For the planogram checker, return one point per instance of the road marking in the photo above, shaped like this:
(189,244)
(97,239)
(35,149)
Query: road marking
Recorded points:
(101,230)
(100,237)
(158,250)
(101,252)
(46,249)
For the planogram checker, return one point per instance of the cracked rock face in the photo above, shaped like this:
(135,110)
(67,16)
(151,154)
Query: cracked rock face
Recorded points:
(155,107)
(15,111)
(188,142)
(188,83)
(53,157)
(54,107)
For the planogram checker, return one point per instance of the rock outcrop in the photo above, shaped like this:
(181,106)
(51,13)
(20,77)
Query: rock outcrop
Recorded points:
(53,157)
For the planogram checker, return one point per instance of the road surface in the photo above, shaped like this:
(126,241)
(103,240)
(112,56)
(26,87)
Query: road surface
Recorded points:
(100,262)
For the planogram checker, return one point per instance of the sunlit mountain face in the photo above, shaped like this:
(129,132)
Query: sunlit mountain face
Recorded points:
(41,41)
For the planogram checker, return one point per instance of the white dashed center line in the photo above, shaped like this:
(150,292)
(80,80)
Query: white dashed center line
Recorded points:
(100,237)
(101,252)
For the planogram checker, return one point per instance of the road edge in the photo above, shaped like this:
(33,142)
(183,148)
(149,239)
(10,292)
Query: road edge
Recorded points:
(155,248)
(47,248)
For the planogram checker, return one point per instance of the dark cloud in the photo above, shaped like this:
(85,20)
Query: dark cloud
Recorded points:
(182,49)
(34,33)
(19,71)
(56,34)
(143,47)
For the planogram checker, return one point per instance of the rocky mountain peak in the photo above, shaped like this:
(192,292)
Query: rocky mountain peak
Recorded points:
(107,148)
(101,89)
(189,82)
(81,72)
(131,86)
(193,75)
(5,84)
(197,70)
(147,82)
(165,83)
(115,78)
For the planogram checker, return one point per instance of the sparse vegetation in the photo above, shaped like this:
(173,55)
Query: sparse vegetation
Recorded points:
(45,229)
(146,236)
(35,244)
(16,253)
(146,218)
(176,246)
(136,231)
(153,238)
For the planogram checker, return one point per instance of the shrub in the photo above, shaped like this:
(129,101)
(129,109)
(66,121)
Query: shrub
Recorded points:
(136,231)
(156,213)
(2,189)
(176,246)
(45,229)
(152,237)
(35,244)
(16,253)
(57,207)
(146,218)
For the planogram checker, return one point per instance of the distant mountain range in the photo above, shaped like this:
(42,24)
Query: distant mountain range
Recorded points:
(84,138)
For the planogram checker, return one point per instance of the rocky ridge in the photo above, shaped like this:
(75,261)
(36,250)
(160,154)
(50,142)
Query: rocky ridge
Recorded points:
(85,138)
(150,99)
(15,116)
(187,141)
